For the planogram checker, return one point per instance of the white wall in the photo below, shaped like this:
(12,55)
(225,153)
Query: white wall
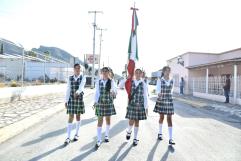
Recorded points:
(178,71)
(231,55)
(13,67)
(197,59)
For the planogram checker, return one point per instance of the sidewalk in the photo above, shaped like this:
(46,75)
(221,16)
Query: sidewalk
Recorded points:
(234,110)
(17,116)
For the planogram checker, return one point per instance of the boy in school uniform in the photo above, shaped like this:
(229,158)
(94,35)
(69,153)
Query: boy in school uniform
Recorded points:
(74,101)
(137,106)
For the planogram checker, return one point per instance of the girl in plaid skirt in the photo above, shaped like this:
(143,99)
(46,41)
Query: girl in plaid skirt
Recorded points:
(74,101)
(164,103)
(137,105)
(104,106)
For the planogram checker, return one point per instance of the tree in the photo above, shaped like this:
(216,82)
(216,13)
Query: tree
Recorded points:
(32,53)
(47,55)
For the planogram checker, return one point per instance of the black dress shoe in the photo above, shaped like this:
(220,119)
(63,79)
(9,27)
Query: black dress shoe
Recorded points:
(171,142)
(128,135)
(76,138)
(66,142)
(159,137)
(135,142)
(106,139)
(97,145)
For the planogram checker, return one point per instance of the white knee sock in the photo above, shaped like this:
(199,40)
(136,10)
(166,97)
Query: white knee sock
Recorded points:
(135,132)
(160,128)
(107,130)
(69,129)
(170,132)
(78,123)
(129,129)
(99,133)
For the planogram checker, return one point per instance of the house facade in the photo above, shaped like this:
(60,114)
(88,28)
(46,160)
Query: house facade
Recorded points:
(205,73)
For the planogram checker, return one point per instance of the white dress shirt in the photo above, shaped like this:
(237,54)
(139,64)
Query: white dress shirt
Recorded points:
(122,84)
(159,84)
(81,87)
(97,88)
(145,92)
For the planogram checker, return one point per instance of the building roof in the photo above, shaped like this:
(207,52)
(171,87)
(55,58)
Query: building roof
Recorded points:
(197,59)
(214,63)
(225,52)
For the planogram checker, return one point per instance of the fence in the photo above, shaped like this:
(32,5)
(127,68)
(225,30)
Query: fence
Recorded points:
(215,85)
(19,71)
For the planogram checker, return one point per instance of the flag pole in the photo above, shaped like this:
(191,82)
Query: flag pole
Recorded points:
(132,52)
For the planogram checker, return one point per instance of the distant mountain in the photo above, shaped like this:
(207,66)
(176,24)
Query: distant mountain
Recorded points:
(58,53)
(9,47)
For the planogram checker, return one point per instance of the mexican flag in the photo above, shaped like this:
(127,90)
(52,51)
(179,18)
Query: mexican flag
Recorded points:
(132,53)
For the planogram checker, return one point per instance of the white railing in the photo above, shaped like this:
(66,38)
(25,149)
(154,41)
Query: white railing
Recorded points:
(199,84)
(239,86)
(215,85)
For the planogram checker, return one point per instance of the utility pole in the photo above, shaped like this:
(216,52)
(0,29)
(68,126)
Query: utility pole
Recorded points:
(93,65)
(101,29)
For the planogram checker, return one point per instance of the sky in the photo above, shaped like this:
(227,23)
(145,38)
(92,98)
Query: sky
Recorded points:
(167,28)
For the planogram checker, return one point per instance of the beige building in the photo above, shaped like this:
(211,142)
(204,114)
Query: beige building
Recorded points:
(205,73)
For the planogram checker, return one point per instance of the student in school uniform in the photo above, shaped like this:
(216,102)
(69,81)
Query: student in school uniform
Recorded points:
(137,106)
(104,106)
(145,79)
(164,103)
(74,101)
(111,76)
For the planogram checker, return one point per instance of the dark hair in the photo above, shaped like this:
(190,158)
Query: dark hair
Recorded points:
(138,69)
(165,68)
(162,74)
(75,65)
(108,83)
(105,68)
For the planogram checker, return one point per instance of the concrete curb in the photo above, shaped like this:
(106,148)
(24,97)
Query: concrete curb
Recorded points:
(18,127)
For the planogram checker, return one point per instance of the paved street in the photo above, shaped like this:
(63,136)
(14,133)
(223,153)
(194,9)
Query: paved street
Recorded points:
(200,135)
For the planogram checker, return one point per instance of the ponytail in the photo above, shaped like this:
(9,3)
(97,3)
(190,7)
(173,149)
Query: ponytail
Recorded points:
(162,74)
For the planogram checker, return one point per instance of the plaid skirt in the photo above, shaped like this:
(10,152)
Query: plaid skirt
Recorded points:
(105,109)
(135,113)
(75,106)
(164,106)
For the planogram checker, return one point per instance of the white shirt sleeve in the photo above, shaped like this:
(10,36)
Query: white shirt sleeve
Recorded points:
(122,83)
(67,95)
(172,88)
(97,91)
(145,96)
(158,86)
(81,86)
(113,86)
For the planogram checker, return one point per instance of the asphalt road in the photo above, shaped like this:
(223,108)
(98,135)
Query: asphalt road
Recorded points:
(200,135)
